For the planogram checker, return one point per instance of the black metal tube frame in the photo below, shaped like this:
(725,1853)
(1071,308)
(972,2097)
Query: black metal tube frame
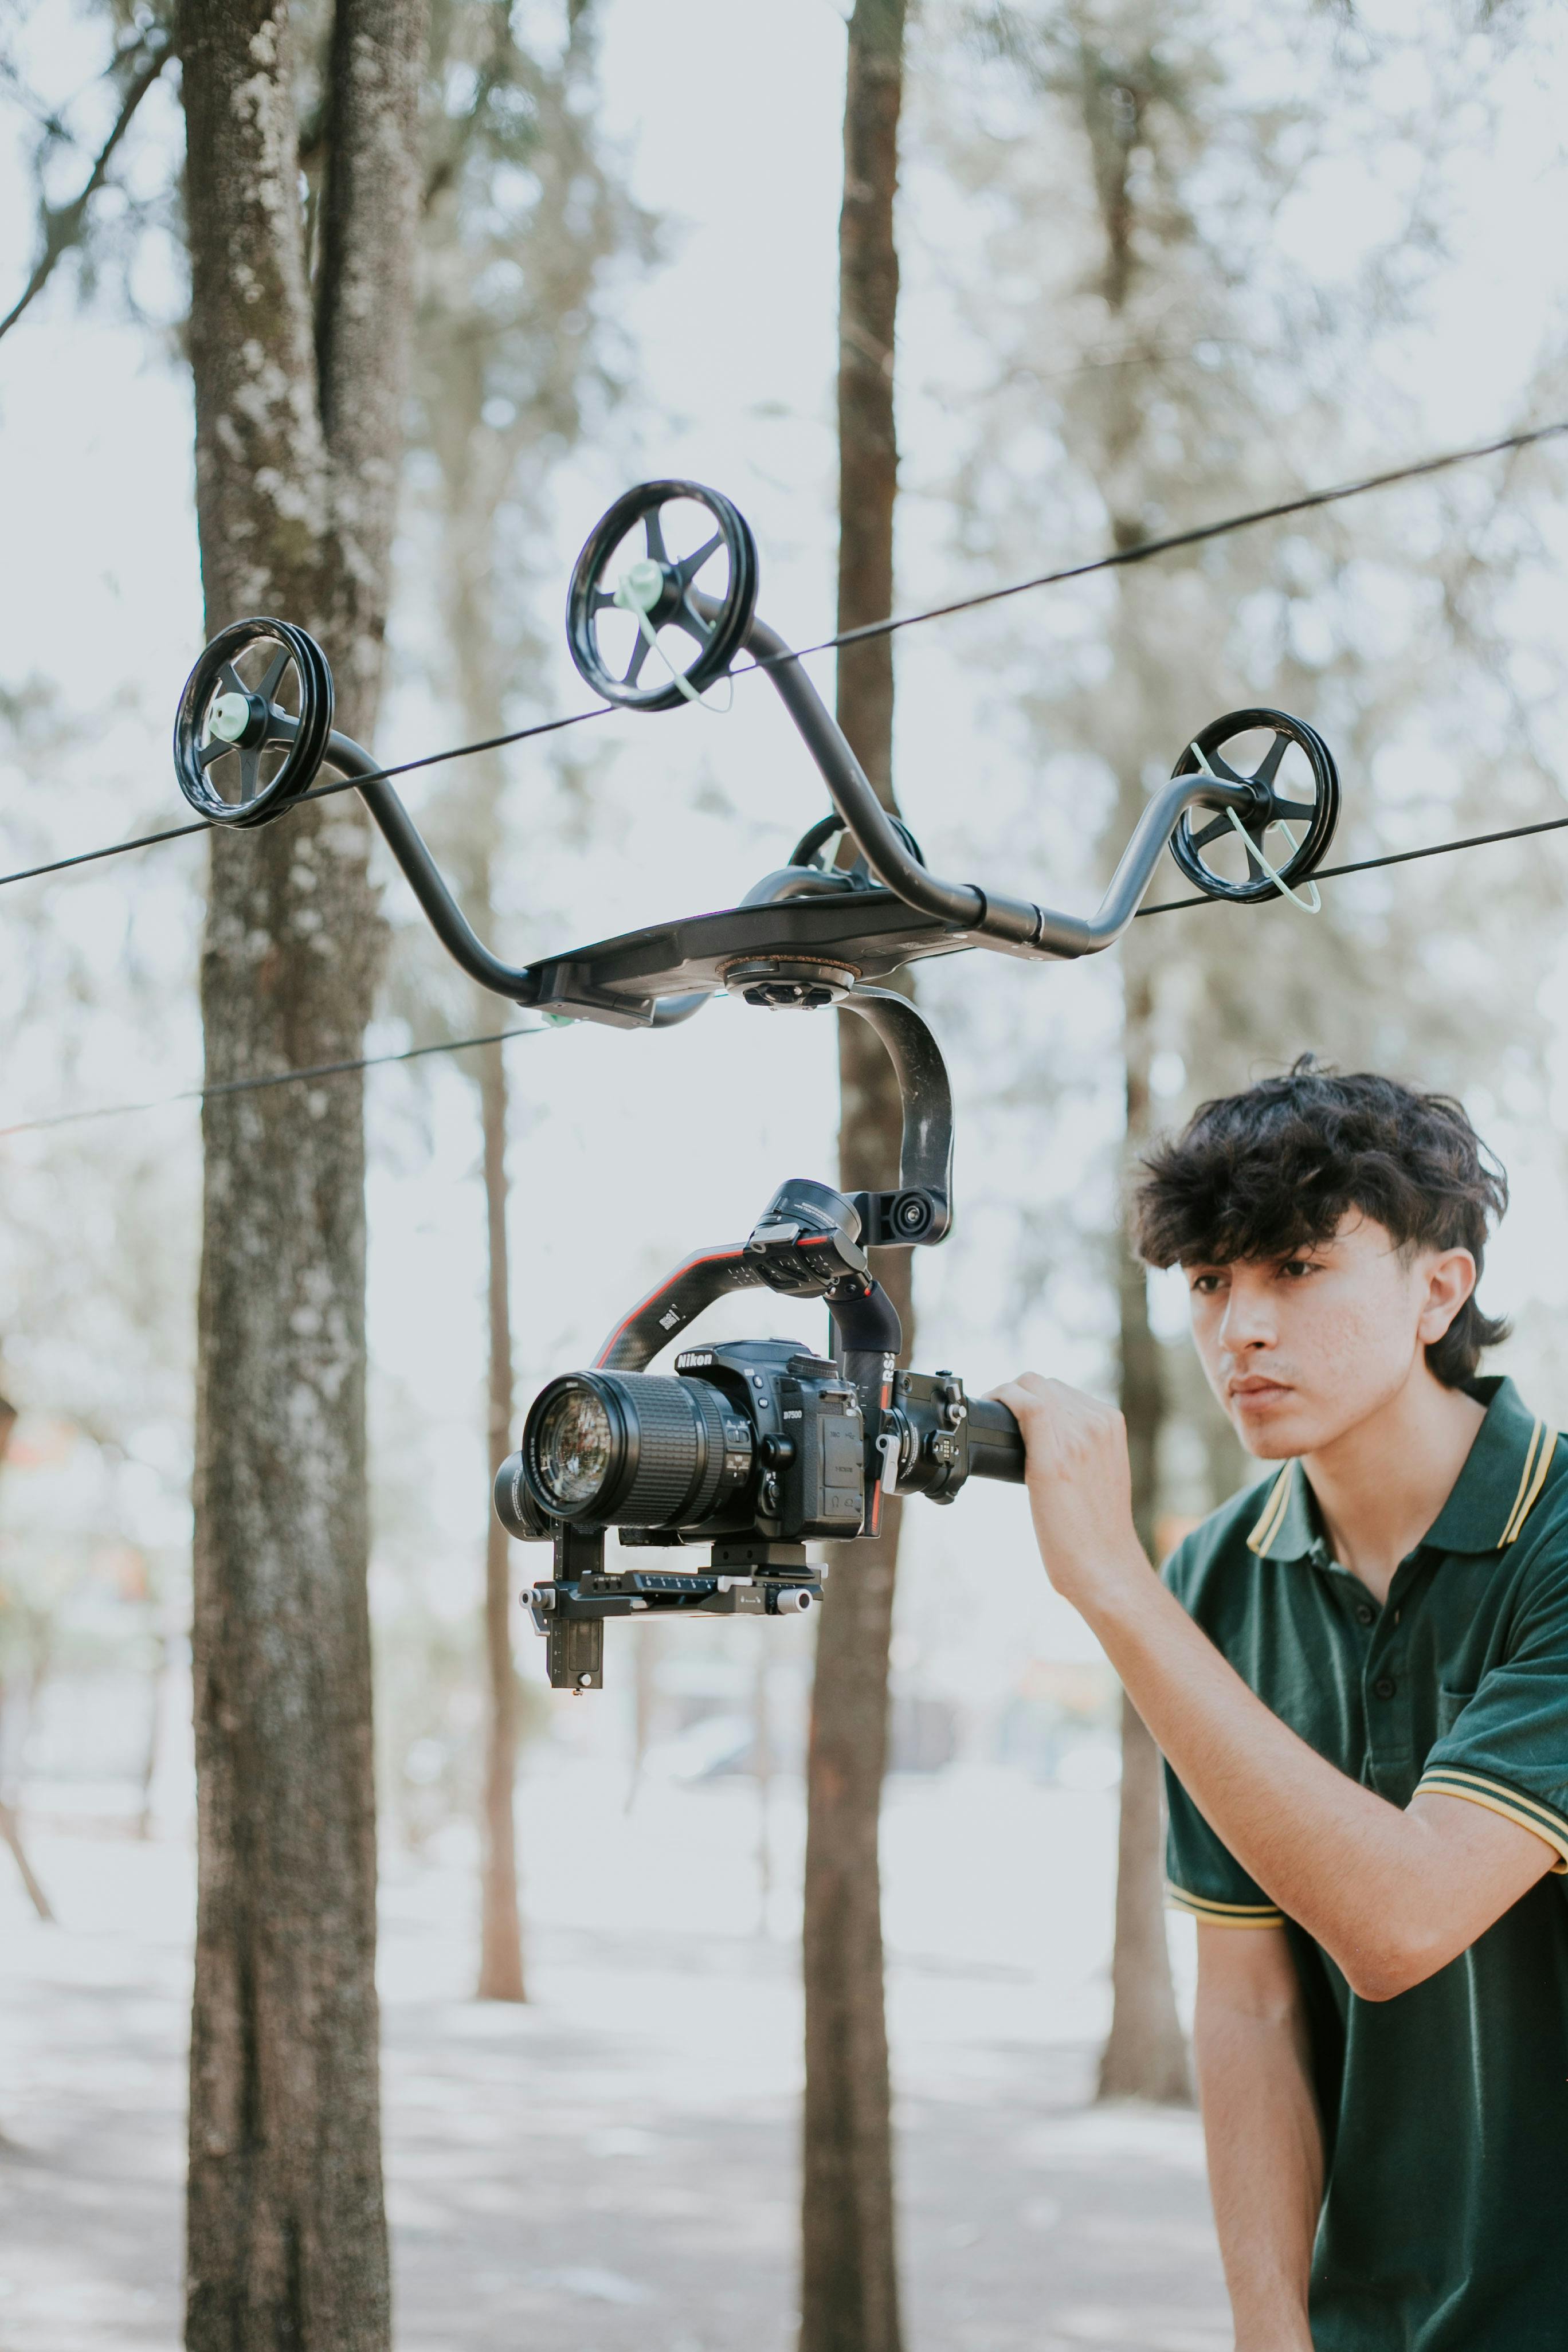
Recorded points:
(1017,924)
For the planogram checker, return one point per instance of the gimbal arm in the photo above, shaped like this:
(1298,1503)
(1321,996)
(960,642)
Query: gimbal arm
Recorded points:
(707,1274)
(1014,923)
(827,1258)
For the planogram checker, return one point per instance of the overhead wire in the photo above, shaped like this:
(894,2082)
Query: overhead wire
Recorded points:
(1142,552)
(221,1086)
(316,793)
(1304,502)
(502,1036)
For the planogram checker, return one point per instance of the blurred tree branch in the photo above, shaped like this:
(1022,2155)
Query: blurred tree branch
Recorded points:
(134,69)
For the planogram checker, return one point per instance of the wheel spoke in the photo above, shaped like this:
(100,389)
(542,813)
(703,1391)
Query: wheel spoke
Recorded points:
(1211,831)
(683,617)
(1269,767)
(689,566)
(1222,769)
(231,681)
(213,748)
(600,600)
(653,529)
(1305,810)
(639,655)
(274,677)
(249,774)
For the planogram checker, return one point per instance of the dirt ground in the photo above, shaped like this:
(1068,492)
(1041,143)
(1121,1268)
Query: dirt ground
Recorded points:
(614,2166)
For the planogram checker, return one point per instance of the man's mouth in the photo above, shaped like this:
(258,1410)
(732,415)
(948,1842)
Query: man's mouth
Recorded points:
(1254,1390)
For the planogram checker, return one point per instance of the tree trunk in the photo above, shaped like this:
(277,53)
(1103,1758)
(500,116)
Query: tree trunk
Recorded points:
(298,443)
(156,1679)
(472,824)
(501,1934)
(11,1833)
(762,1769)
(1144,2056)
(849,2296)
(10,1827)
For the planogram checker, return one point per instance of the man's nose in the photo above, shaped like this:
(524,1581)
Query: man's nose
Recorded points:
(1249,1321)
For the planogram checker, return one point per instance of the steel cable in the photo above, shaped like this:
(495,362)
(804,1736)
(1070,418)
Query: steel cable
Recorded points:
(1144,552)
(458,1044)
(1305,502)
(273,1079)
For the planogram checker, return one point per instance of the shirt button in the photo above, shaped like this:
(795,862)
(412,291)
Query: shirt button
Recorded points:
(1385,1686)
(1364,1614)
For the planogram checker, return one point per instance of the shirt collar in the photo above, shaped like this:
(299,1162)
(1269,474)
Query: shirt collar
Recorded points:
(1493,1495)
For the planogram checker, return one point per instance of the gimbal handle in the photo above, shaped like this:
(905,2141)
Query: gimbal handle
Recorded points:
(447,919)
(1014,923)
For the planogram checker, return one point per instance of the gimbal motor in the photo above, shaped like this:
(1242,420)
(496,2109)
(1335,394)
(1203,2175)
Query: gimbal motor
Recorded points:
(756,1447)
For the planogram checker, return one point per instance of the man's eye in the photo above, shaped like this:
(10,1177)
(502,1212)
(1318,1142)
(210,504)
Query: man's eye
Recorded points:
(1295,1268)
(1203,1286)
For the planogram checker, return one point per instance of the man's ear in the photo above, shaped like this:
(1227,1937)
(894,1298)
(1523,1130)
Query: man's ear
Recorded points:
(1451,1277)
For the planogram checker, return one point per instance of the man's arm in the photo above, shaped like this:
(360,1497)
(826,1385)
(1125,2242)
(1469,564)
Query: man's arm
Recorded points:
(1261,2131)
(1393,1896)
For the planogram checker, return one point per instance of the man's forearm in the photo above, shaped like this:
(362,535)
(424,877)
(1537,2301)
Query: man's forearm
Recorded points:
(1392,1894)
(1357,1872)
(1265,2161)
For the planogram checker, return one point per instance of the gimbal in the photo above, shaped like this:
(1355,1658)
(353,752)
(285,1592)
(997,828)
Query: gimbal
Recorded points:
(709,1457)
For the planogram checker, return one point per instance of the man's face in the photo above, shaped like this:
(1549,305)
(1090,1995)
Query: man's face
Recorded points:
(1299,1349)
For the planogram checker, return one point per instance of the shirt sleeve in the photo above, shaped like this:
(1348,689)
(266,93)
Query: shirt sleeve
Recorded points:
(1504,1745)
(1203,1876)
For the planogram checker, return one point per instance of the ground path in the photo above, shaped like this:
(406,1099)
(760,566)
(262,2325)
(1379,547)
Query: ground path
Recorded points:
(614,2166)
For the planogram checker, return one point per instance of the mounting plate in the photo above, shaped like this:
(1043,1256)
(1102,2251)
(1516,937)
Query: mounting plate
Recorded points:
(869,933)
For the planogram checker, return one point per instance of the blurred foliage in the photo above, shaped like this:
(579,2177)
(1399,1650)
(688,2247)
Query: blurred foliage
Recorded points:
(1159,351)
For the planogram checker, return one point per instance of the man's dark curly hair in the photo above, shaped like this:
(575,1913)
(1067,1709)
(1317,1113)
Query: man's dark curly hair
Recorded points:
(1258,1174)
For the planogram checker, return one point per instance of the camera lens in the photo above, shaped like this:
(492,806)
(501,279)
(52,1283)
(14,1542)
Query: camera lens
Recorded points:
(634,1449)
(573,1448)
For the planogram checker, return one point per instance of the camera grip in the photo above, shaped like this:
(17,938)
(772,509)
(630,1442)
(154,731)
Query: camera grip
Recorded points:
(995,1442)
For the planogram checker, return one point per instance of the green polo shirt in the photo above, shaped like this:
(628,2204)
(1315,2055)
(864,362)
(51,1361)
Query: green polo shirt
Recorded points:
(1445,2112)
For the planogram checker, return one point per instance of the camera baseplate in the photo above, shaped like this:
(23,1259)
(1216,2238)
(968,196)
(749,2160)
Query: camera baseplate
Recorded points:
(743,1580)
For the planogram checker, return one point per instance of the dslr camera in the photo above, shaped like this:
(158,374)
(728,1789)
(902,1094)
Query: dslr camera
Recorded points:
(755,1448)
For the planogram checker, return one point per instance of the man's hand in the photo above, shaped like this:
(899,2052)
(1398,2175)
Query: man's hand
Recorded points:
(1081,1489)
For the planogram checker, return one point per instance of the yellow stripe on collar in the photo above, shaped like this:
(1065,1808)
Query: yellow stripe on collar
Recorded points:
(1273,1512)
(1523,1481)
(1531,1484)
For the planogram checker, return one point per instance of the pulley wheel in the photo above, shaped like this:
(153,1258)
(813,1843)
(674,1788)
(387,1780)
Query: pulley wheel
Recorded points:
(809,848)
(1295,789)
(670,565)
(252,726)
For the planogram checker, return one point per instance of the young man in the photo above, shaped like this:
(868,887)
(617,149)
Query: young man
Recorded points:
(1358,1674)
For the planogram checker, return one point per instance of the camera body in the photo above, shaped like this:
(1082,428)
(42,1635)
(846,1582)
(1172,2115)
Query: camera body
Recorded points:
(807,1439)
